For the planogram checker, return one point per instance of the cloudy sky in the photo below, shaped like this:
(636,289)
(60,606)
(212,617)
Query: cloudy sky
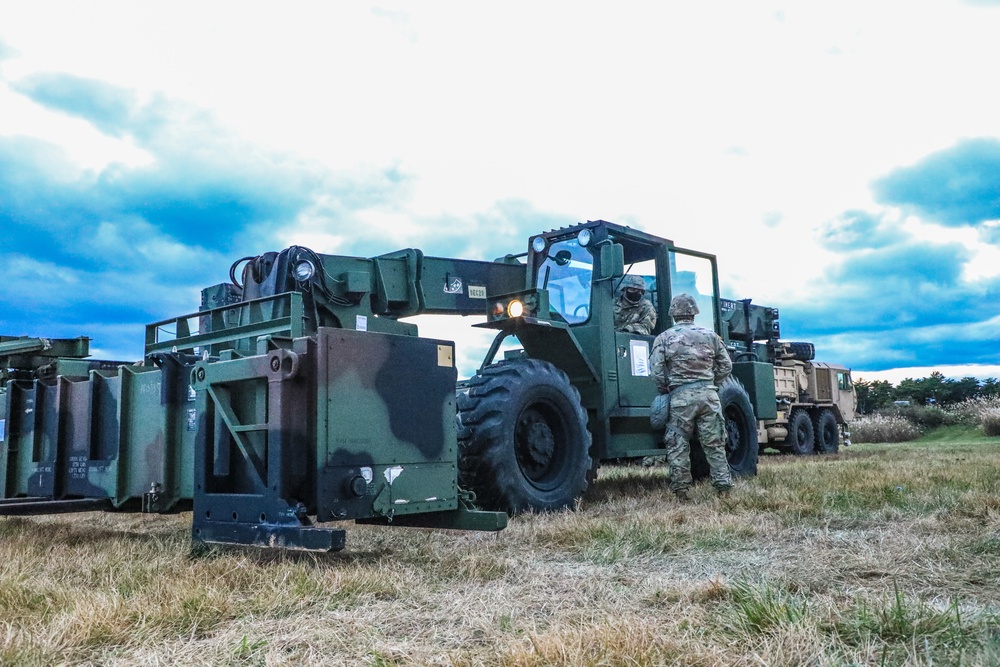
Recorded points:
(841,158)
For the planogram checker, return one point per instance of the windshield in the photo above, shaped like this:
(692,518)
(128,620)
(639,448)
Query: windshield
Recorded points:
(693,275)
(566,273)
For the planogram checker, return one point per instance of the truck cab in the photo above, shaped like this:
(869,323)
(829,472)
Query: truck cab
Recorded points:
(565,319)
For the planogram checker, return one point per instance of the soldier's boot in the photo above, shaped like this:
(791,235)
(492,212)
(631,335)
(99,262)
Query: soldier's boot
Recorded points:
(723,491)
(682,496)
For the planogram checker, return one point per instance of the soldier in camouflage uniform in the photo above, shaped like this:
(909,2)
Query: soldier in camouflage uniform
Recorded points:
(633,313)
(691,362)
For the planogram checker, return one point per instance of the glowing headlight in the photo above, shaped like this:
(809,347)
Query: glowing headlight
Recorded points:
(583,237)
(538,245)
(515,308)
(304,270)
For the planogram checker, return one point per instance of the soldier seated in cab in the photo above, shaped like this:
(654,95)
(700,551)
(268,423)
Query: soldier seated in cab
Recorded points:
(634,313)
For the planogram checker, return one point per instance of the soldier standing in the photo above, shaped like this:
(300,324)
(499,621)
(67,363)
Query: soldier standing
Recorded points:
(633,313)
(691,362)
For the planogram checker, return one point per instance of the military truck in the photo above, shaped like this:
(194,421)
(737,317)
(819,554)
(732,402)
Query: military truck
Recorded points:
(815,401)
(300,395)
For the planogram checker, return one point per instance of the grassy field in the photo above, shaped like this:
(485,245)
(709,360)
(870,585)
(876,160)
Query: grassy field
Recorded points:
(882,555)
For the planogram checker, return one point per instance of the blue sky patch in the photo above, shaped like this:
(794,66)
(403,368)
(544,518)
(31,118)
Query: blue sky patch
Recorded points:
(956,186)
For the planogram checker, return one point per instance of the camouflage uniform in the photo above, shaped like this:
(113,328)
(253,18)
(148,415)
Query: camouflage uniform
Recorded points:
(634,317)
(691,362)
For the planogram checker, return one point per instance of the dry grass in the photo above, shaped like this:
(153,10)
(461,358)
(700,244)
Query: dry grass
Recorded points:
(876,556)
(884,428)
(976,410)
(903,424)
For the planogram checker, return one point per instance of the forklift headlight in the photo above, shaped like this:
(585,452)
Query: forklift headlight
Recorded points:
(583,237)
(515,308)
(538,245)
(304,270)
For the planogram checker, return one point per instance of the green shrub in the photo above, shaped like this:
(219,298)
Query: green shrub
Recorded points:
(991,423)
(928,416)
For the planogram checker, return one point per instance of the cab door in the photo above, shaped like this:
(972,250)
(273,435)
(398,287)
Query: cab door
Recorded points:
(696,274)
(635,381)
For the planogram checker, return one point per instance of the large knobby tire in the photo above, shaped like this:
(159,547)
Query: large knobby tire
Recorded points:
(802,351)
(523,439)
(800,433)
(827,432)
(741,434)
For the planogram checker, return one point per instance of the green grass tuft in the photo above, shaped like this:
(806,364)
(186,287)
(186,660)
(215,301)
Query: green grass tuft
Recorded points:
(763,607)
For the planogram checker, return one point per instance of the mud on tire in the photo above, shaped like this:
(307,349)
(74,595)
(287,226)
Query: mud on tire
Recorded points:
(523,439)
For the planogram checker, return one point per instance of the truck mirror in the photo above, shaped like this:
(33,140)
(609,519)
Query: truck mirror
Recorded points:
(611,263)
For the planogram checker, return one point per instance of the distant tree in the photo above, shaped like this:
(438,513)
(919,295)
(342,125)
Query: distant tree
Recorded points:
(962,390)
(933,389)
(936,388)
(989,388)
(873,395)
(922,391)
(911,390)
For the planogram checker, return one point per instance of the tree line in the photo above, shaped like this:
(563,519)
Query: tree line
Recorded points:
(935,389)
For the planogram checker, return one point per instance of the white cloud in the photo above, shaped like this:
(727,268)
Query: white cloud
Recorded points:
(894,376)
(86,146)
(628,112)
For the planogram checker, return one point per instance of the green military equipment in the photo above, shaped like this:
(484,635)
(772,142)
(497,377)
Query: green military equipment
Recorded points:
(803,406)
(298,395)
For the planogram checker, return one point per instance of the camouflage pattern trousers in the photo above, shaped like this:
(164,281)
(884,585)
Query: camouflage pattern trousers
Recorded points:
(696,407)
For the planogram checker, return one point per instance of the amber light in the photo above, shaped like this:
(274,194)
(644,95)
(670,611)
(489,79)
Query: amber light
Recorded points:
(515,309)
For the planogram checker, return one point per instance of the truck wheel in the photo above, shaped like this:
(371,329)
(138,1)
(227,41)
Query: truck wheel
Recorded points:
(741,434)
(827,432)
(523,440)
(800,433)
(802,351)
(741,428)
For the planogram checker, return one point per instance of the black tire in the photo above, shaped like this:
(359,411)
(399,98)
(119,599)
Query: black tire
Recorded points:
(523,439)
(741,428)
(800,433)
(802,351)
(741,434)
(827,432)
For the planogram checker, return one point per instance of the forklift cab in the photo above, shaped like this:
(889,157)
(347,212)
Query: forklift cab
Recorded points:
(581,269)
(573,264)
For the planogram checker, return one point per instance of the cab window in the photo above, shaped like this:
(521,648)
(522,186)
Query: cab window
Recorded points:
(567,273)
(693,275)
(844,381)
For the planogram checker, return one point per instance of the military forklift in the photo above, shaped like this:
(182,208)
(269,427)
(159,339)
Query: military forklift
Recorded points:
(535,425)
(569,391)
(299,393)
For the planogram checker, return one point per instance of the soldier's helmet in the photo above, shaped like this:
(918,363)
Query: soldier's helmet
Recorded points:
(634,282)
(683,305)
(633,287)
